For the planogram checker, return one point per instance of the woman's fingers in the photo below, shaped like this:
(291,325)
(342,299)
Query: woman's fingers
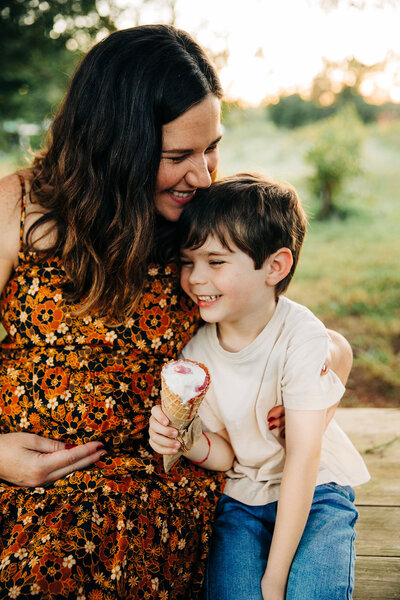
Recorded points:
(62,463)
(276,417)
(35,443)
(276,412)
(29,460)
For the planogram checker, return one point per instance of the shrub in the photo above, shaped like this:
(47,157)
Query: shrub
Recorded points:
(335,155)
(292,111)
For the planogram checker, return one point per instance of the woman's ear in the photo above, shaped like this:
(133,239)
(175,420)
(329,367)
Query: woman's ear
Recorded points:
(279,265)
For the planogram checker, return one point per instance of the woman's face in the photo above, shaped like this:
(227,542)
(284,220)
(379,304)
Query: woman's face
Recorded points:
(189,156)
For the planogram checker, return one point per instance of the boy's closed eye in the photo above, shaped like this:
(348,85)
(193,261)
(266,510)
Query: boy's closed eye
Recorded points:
(184,262)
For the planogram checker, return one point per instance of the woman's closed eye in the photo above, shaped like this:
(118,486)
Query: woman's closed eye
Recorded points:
(212,147)
(178,159)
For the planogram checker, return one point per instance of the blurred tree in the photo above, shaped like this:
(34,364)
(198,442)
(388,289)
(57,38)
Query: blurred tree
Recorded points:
(349,95)
(337,75)
(335,155)
(293,111)
(40,44)
(337,85)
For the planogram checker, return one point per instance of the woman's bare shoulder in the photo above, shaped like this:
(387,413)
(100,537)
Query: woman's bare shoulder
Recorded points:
(10,212)
(10,187)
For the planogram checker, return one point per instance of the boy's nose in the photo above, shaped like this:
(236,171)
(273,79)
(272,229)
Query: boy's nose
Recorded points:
(197,276)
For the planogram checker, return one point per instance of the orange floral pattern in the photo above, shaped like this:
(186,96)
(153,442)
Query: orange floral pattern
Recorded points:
(122,528)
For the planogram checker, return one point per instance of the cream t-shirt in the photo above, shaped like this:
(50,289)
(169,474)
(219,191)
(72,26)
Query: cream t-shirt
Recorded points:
(281,366)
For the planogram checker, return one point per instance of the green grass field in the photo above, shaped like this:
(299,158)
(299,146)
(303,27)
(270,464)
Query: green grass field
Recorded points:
(349,269)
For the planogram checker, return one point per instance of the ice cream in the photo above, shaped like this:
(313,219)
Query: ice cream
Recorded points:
(186,379)
(184,383)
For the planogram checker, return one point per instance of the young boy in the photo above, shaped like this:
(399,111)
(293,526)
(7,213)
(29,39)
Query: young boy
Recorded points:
(284,527)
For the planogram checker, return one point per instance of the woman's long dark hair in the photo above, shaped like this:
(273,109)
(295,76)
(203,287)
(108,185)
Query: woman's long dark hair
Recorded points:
(96,178)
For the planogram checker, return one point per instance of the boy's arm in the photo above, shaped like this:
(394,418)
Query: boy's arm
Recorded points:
(214,447)
(304,431)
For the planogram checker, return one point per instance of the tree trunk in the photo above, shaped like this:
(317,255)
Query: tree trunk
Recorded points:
(326,201)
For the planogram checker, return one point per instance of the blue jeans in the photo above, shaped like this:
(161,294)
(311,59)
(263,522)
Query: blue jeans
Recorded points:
(323,566)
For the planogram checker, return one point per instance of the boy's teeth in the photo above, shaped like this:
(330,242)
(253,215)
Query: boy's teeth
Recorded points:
(207,298)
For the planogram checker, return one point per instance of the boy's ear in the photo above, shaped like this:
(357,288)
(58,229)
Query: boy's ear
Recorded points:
(279,265)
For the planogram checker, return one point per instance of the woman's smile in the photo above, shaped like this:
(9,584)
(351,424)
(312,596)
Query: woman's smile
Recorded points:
(182,198)
(189,156)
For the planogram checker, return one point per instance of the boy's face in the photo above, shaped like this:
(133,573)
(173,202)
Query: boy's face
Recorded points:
(225,284)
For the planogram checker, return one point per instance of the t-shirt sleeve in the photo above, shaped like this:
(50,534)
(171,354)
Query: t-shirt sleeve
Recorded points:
(303,387)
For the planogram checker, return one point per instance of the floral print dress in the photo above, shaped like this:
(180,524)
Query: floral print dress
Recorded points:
(121,528)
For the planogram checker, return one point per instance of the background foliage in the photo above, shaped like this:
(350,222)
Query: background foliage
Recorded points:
(40,45)
(348,272)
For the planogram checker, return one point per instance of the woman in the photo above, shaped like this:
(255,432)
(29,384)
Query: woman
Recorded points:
(92,307)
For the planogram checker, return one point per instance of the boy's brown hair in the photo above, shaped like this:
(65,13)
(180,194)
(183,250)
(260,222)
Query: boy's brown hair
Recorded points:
(253,212)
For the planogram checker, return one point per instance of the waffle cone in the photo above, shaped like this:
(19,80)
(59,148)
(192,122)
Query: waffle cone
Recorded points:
(179,413)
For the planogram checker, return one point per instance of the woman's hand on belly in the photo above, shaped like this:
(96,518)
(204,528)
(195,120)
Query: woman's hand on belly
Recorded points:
(29,460)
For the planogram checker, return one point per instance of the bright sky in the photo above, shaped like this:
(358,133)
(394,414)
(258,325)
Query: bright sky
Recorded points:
(277,45)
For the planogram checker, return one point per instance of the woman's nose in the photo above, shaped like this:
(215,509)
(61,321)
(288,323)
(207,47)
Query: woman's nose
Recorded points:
(199,175)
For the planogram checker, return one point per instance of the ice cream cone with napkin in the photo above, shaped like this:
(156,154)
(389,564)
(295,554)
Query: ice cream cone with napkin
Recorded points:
(184,383)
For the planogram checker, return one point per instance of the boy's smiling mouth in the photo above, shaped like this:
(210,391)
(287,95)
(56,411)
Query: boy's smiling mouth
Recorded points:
(205,300)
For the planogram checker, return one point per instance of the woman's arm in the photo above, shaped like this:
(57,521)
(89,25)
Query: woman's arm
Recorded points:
(214,447)
(340,358)
(10,210)
(27,459)
(304,431)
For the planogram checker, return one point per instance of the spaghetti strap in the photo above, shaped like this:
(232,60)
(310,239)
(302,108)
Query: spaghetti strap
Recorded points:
(22,218)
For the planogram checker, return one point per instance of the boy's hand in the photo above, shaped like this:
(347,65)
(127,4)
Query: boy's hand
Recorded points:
(270,591)
(162,437)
